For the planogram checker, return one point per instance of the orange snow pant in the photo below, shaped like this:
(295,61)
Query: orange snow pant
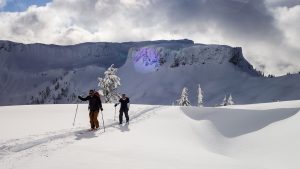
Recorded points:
(93,119)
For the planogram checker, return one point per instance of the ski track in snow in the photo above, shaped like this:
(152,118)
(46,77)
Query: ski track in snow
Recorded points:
(12,151)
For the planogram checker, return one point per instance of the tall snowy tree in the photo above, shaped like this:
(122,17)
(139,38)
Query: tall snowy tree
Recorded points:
(109,84)
(230,100)
(184,101)
(227,100)
(224,103)
(200,97)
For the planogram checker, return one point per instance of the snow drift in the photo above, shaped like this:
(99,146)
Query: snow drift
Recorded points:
(258,136)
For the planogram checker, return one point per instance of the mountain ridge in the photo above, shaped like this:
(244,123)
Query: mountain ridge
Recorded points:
(28,71)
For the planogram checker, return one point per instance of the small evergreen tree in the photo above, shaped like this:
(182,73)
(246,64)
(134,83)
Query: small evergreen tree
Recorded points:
(230,100)
(200,97)
(109,84)
(224,103)
(227,100)
(184,101)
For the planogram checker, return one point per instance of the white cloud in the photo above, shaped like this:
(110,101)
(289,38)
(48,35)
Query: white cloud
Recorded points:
(268,38)
(280,3)
(289,23)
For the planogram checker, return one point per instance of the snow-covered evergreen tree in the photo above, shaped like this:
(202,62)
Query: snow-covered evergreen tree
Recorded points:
(184,101)
(227,100)
(224,103)
(230,100)
(109,84)
(200,97)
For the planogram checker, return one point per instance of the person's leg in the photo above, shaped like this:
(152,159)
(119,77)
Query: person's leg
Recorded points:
(96,122)
(121,117)
(126,115)
(91,120)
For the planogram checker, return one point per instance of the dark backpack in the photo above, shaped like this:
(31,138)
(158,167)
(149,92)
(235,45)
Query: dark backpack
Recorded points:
(97,94)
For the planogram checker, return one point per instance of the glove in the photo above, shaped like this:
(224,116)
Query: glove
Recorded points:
(116,104)
(101,108)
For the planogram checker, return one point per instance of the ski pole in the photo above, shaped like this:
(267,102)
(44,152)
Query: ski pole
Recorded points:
(75,115)
(103,121)
(115,114)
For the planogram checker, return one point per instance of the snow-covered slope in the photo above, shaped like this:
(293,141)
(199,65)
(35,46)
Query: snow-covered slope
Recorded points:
(258,136)
(37,73)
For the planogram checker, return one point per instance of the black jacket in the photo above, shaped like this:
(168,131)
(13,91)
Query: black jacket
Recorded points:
(124,104)
(94,102)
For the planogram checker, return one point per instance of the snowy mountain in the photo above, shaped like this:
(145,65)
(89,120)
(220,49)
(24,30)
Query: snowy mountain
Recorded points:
(151,72)
(220,70)
(258,136)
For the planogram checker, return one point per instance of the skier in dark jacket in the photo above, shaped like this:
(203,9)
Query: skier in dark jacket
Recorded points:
(94,106)
(124,101)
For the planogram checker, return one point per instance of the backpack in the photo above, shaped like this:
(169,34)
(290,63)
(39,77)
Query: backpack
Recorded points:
(97,94)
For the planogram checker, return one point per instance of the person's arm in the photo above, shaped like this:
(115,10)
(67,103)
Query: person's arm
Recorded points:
(128,104)
(117,103)
(84,99)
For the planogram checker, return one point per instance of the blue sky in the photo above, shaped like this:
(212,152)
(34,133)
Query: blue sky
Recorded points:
(22,5)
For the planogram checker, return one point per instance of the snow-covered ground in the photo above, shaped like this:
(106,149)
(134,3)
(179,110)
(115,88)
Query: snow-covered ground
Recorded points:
(258,136)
